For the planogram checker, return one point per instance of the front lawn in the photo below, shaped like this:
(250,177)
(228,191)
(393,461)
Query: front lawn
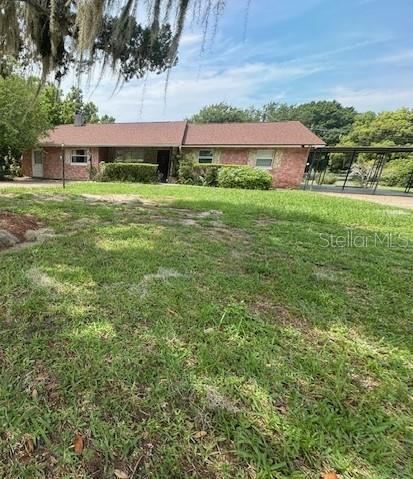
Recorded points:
(200,332)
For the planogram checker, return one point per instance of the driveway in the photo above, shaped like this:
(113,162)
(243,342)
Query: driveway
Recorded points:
(389,200)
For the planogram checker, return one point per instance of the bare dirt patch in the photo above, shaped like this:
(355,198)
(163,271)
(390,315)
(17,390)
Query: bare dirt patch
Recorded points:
(118,199)
(13,228)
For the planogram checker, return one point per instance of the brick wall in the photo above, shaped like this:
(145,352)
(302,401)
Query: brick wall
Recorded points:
(288,167)
(52,164)
(234,157)
(288,164)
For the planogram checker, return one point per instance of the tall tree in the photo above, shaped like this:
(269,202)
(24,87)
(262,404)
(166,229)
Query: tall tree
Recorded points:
(61,33)
(62,109)
(23,117)
(328,119)
(223,113)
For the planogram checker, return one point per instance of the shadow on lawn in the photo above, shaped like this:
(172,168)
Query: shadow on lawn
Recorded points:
(290,377)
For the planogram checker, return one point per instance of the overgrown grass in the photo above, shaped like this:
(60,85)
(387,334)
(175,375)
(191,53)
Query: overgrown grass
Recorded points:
(209,333)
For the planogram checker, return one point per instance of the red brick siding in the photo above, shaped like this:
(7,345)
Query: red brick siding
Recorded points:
(288,165)
(234,157)
(52,164)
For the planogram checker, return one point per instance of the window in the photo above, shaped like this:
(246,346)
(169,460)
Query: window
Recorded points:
(38,157)
(79,157)
(129,155)
(264,158)
(206,156)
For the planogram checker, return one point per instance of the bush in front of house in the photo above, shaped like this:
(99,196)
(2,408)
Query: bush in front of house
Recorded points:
(134,172)
(200,174)
(244,177)
(397,172)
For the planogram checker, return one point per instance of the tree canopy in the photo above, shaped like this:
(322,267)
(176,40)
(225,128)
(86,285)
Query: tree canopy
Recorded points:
(23,116)
(328,119)
(223,113)
(386,128)
(63,33)
(62,109)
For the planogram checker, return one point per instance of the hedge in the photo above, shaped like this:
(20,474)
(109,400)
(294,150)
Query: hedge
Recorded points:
(244,177)
(135,172)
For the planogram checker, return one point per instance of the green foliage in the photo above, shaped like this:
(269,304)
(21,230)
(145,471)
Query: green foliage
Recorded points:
(244,177)
(23,118)
(397,172)
(134,172)
(224,113)
(58,34)
(62,109)
(328,119)
(186,170)
(200,174)
(381,129)
(329,179)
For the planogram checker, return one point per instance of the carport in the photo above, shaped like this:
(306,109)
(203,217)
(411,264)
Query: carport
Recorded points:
(320,162)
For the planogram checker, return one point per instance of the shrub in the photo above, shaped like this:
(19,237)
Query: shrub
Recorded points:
(329,179)
(244,177)
(135,172)
(397,172)
(201,174)
(186,171)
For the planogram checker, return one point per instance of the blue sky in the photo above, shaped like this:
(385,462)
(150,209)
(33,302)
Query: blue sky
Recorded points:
(359,52)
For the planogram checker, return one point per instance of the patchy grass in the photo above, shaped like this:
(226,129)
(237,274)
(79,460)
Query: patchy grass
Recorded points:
(190,332)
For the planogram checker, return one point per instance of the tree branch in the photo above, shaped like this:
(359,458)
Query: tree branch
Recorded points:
(37,6)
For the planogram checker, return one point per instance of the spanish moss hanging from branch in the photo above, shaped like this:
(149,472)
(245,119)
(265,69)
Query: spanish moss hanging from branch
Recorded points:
(63,35)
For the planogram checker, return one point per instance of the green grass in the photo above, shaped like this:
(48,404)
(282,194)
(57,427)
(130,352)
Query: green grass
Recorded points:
(260,353)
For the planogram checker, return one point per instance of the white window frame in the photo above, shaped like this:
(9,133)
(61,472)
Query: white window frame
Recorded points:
(207,157)
(73,154)
(264,155)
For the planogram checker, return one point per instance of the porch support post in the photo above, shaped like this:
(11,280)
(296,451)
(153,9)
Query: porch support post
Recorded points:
(353,157)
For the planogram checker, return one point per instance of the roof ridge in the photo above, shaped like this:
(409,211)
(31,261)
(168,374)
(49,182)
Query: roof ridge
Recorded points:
(246,122)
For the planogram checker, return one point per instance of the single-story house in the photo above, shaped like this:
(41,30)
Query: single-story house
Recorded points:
(282,148)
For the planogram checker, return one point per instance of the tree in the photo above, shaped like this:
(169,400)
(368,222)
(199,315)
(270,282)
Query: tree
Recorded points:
(223,113)
(61,110)
(386,128)
(328,119)
(64,33)
(74,103)
(107,119)
(23,117)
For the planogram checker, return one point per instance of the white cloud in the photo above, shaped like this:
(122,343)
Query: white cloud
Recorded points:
(374,99)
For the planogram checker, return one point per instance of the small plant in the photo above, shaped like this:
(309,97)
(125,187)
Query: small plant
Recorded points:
(244,177)
(186,174)
(360,172)
(329,179)
(134,172)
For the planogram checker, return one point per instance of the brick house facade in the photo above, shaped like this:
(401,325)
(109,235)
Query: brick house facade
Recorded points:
(280,148)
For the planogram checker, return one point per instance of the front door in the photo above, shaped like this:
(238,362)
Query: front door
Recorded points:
(163,164)
(37,164)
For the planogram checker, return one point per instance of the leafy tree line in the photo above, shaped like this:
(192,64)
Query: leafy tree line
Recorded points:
(330,120)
